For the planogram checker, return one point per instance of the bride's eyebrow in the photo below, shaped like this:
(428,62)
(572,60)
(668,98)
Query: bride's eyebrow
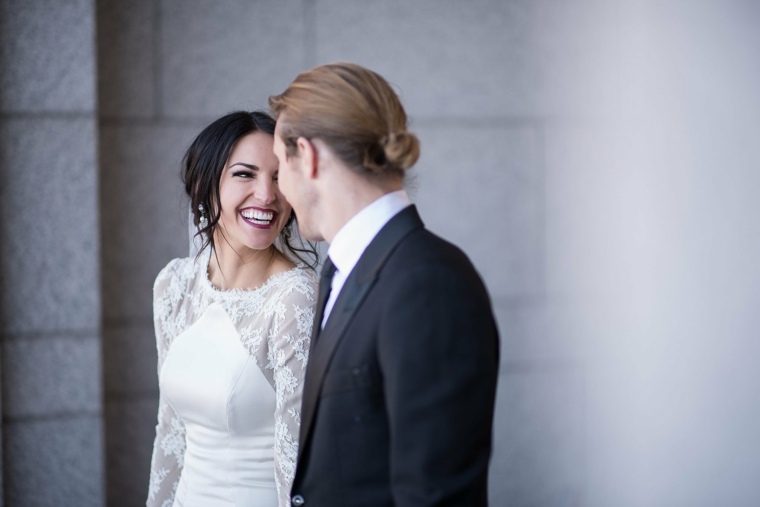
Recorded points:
(249,166)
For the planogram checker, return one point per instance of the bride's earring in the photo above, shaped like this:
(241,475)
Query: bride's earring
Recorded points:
(203,221)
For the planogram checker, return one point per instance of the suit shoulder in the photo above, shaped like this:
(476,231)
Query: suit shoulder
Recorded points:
(425,255)
(426,248)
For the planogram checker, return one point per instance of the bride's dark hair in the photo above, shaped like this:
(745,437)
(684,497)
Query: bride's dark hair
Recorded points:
(202,168)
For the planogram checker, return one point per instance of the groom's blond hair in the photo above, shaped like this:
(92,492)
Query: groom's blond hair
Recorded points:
(354,111)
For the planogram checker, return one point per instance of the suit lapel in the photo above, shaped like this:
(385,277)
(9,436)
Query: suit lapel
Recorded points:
(355,289)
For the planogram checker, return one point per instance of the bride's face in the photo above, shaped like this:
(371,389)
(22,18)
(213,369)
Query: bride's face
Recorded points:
(253,210)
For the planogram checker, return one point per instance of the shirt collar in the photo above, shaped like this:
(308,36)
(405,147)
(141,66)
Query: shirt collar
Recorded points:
(352,239)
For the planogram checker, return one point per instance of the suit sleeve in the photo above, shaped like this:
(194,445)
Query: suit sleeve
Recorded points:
(438,351)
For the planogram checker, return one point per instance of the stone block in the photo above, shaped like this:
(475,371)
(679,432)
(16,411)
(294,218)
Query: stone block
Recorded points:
(479,187)
(129,359)
(44,376)
(238,55)
(47,56)
(539,443)
(49,253)
(130,431)
(143,213)
(127,58)
(54,462)
(485,58)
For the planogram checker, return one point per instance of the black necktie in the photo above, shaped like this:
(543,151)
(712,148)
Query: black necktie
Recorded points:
(325,285)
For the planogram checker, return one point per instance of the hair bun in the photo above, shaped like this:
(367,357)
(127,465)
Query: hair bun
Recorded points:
(402,149)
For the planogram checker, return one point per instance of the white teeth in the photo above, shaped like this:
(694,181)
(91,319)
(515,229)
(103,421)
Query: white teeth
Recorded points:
(258,216)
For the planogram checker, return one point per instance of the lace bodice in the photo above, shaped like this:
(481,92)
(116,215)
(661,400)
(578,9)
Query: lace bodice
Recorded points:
(273,323)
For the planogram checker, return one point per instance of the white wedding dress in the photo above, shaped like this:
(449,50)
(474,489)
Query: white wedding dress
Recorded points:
(231,367)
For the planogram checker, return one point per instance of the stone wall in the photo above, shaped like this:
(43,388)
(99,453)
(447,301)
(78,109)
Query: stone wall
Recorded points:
(596,159)
(52,429)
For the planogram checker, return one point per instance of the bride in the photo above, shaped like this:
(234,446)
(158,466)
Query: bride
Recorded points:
(232,330)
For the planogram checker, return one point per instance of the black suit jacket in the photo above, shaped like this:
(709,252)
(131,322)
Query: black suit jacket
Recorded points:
(399,393)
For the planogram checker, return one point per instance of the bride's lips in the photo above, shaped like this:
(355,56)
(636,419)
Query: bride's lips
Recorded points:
(260,218)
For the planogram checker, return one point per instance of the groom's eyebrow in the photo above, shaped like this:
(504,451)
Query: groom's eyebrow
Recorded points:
(249,166)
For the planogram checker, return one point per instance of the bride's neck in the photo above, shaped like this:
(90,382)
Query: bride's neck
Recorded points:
(247,269)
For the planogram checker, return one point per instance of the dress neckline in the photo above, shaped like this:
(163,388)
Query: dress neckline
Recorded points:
(238,292)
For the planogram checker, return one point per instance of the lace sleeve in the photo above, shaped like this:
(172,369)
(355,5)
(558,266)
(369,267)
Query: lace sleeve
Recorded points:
(288,341)
(169,444)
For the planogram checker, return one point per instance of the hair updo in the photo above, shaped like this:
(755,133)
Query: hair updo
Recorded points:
(355,112)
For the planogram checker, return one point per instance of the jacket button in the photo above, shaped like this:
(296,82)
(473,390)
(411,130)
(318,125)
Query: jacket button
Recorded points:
(298,501)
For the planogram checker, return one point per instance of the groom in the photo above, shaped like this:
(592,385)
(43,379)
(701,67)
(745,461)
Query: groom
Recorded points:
(399,393)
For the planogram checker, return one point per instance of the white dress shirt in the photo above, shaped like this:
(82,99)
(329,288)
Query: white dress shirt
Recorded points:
(352,239)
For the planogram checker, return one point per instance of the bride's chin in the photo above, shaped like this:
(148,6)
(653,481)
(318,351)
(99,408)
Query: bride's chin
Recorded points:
(258,246)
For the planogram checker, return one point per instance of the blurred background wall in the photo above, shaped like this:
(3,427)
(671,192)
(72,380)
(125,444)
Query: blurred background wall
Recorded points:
(50,260)
(599,160)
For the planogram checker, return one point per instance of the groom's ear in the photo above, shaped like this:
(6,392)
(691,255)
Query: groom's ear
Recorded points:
(309,157)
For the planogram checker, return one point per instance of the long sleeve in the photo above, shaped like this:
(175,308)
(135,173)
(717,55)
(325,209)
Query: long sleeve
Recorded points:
(288,347)
(168,457)
(169,444)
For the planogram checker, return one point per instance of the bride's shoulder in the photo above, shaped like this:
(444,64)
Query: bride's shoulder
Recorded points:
(299,280)
(177,271)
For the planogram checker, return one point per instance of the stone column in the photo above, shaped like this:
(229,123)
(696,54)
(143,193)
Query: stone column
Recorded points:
(49,256)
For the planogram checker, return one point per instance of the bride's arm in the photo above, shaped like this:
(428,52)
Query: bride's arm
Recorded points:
(288,342)
(169,444)
(168,457)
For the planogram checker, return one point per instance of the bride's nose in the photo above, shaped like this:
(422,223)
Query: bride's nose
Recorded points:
(265,191)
